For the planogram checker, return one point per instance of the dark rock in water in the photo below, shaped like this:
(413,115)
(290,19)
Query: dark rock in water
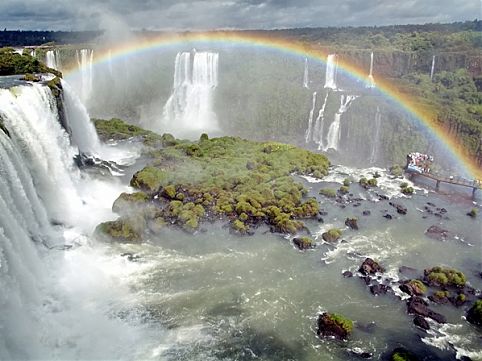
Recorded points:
(474,315)
(421,322)
(438,233)
(303,243)
(366,213)
(440,297)
(352,223)
(431,204)
(400,209)
(357,205)
(383,197)
(130,256)
(347,274)
(401,354)
(418,306)
(333,325)
(413,288)
(387,216)
(465,358)
(378,289)
(407,270)
(323,213)
(320,219)
(370,267)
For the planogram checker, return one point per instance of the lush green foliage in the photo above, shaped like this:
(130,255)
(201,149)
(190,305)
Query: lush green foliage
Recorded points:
(12,63)
(443,276)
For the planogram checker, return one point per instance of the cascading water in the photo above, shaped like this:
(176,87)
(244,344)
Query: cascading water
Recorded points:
(52,59)
(85,59)
(190,106)
(376,137)
(305,75)
(331,70)
(319,124)
(371,80)
(334,132)
(308,134)
(432,69)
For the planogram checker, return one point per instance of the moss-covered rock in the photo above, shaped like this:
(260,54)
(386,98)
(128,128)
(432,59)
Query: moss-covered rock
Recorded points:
(124,229)
(366,183)
(444,277)
(414,287)
(344,190)
(473,213)
(401,354)
(128,202)
(303,243)
(117,129)
(396,170)
(328,192)
(149,179)
(332,235)
(334,325)
(474,315)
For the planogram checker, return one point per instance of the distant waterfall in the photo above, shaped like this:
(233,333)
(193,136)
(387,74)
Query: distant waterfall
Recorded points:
(52,59)
(84,61)
(310,120)
(376,137)
(190,106)
(371,80)
(432,69)
(319,124)
(331,70)
(333,138)
(111,69)
(305,75)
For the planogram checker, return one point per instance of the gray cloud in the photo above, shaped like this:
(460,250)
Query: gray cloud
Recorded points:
(237,14)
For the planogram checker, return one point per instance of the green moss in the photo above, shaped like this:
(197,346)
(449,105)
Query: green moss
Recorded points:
(344,190)
(407,190)
(443,276)
(304,242)
(396,171)
(127,229)
(149,179)
(343,322)
(332,235)
(12,63)
(372,182)
(117,129)
(31,77)
(473,213)
(125,202)
(441,294)
(418,285)
(239,226)
(346,182)
(402,355)
(474,315)
(169,192)
(328,192)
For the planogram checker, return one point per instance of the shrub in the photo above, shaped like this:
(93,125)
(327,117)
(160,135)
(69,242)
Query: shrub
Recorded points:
(328,192)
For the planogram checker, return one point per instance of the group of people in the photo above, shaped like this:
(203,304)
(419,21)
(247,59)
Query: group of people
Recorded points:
(419,162)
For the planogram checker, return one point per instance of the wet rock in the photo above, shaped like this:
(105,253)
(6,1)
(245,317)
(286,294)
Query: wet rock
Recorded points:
(474,315)
(417,306)
(421,322)
(370,267)
(303,243)
(413,288)
(431,204)
(131,256)
(387,216)
(438,233)
(333,325)
(366,213)
(323,213)
(352,223)
(383,197)
(347,274)
(401,354)
(320,219)
(378,289)
(400,209)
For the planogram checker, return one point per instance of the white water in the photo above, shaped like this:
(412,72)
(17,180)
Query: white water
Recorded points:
(371,80)
(331,70)
(56,304)
(85,59)
(320,124)
(334,132)
(432,69)
(376,137)
(52,59)
(308,134)
(190,107)
(305,75)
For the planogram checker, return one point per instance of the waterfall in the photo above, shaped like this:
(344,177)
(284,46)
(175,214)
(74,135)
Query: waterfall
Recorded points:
(432,69)
(52,59)
(310,119)
(376,137)
(334,132)
(85,59)
(190,106)
(305,75)
(319,124)
(331,70)
(371,80)
(111,71)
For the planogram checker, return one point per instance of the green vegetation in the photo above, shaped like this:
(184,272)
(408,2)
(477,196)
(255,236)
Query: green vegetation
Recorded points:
(12,63)
(346,182)
(401,354)
(396,171)
(443,276)
(345,323)
(473,213)
(304,243)
(405,189)
(344,190)
(332,235)
(418,286)
(328,192)
(474,315)
(124,229)
(248,183)
(366,183)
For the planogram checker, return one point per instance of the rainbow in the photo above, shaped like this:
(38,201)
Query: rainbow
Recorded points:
(422,114)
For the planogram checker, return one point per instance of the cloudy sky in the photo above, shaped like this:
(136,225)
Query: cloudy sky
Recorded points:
(240,14)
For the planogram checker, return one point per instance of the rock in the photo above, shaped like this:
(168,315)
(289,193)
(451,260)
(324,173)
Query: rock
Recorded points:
(401,354)
(352,223)
(400,209)
(438,233)
(417,306)
(413,288)
(366,213)
(387,216)
(331,235)
(304,243)
(370,267)
(474,315)
(320,219)
(383,197)
(378,289)
(131,256)
(347,274)
(421,322)
(360,353)
(440,297)
(431,204)
(333,325)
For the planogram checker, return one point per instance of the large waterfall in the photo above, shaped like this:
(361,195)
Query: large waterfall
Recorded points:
(376,137)
(85,59)
(319,124)
(334,132)
(189,109)
(305,75)
(52,59)
(331,70)
(310,120)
